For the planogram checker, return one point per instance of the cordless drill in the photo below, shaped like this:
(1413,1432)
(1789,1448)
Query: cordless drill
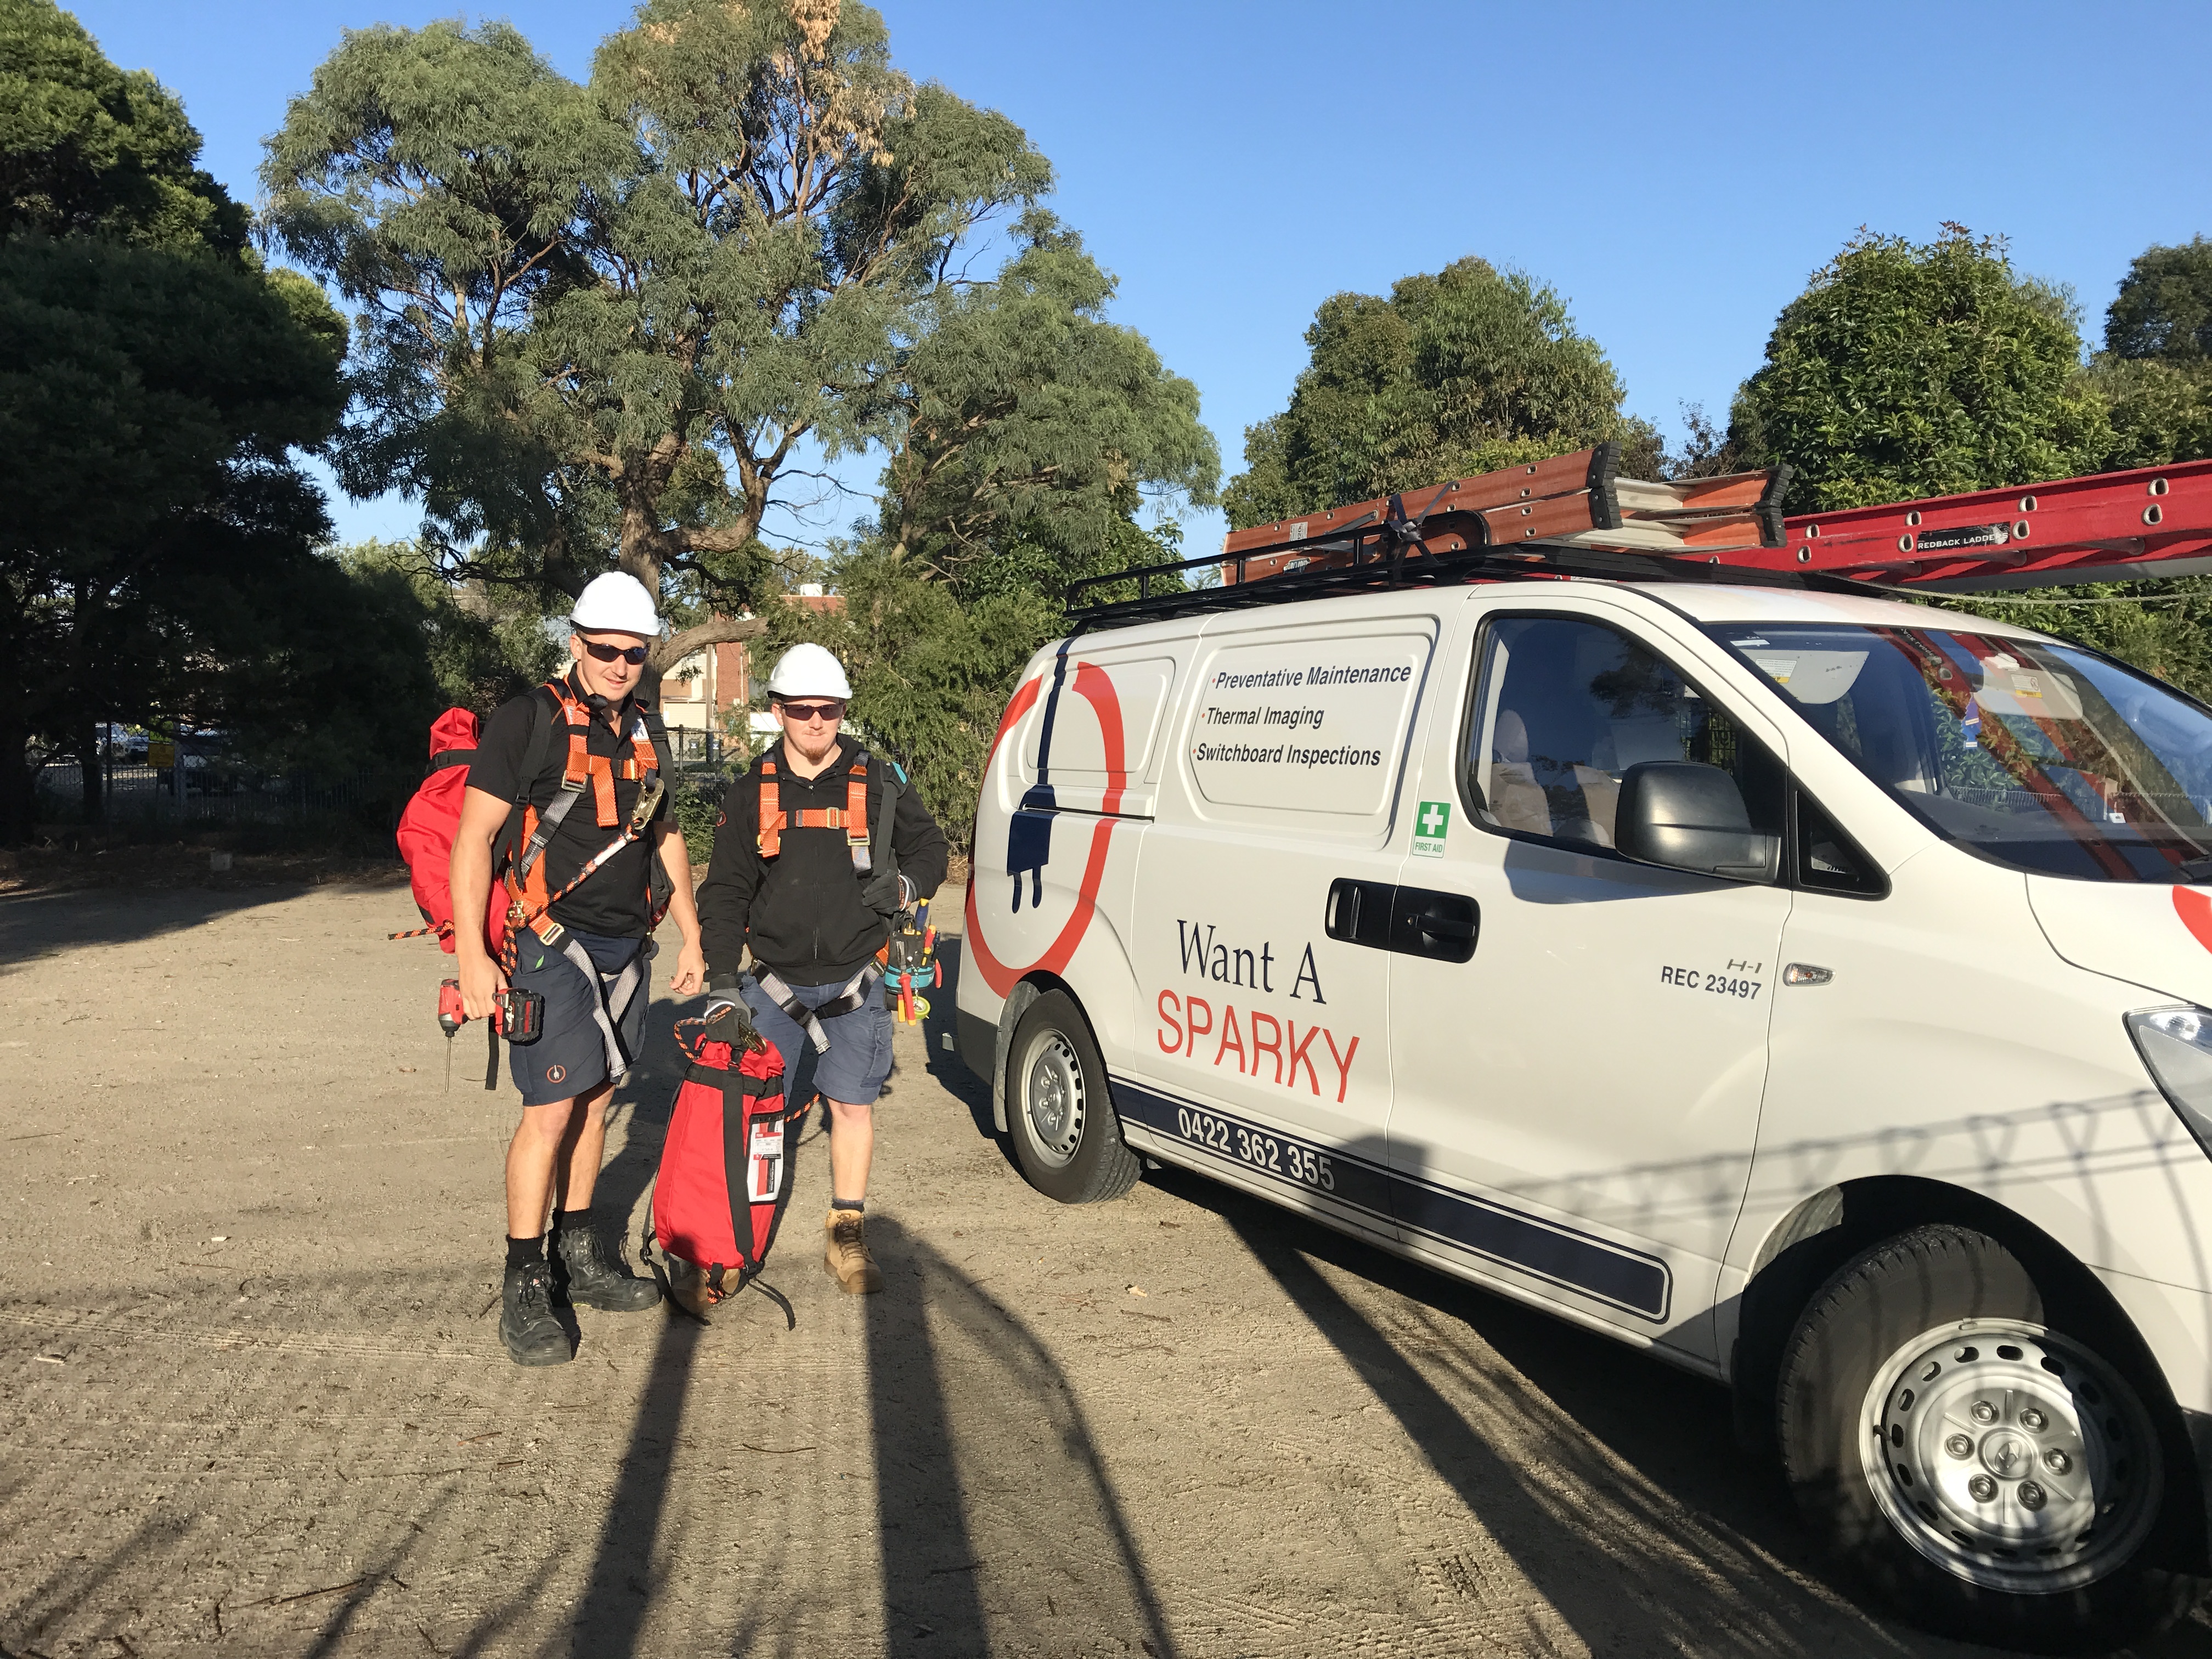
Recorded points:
(517,1016)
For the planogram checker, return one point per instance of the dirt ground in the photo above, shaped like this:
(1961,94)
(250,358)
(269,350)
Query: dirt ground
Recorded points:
(253,1399)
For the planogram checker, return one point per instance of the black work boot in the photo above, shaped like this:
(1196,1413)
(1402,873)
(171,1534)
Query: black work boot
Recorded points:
(585,1271)
(527,1324)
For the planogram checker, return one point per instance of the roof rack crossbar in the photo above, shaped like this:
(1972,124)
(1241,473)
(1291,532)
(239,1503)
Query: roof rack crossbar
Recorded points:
(1538,561)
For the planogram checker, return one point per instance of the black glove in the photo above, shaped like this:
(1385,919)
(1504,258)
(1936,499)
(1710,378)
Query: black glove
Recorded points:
(733,1023)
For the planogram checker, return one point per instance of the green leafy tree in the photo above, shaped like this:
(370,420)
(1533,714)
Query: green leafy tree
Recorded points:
(2155,371)
(154,381)
(1909,369)
(1027,424)
(1463,372)
(2155,377)
(85,148)
(2163,307)
(603,324)
(148,400)
(2160,411)
(484,643)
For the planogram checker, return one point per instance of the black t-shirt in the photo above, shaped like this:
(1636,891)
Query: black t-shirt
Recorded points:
(614,902)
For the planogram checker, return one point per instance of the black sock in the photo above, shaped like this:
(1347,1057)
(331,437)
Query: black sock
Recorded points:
(571,1221)
(852,1204)
(522,1252)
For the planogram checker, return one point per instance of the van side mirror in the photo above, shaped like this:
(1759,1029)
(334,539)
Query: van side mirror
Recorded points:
(1688,816)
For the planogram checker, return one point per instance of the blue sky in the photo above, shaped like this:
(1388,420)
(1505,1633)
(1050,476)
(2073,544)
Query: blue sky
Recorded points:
(1675,173)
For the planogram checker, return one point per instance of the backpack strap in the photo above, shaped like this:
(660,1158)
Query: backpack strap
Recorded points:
(533,763)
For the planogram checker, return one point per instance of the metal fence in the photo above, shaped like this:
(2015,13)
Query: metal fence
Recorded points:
(215,792)
(215,789)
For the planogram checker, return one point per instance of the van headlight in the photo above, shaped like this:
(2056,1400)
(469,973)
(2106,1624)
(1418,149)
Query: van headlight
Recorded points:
(2176,1045)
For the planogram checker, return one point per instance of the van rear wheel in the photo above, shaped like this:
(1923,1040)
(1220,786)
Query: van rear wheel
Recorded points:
(1065,1136)
(1989,1477)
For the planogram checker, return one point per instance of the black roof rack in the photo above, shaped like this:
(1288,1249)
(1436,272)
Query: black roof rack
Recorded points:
(1382,565)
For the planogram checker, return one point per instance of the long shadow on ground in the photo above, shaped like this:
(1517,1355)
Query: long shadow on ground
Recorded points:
(37,925)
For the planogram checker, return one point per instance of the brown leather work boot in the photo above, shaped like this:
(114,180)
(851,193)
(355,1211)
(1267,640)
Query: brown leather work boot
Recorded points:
(845,1254)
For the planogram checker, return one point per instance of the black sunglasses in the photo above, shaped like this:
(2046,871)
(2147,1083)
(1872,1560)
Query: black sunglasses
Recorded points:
(633,654)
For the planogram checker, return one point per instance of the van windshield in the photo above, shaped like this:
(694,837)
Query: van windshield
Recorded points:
(2045,757)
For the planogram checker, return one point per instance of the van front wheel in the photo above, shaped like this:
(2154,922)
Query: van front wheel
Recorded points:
(1989,1476)
(1067,1138)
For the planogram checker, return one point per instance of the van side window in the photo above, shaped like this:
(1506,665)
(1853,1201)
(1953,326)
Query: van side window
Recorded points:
(1565,707)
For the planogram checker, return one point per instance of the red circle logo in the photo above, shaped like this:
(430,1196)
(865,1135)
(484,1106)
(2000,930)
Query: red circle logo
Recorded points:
(557,1074)
(1090,682)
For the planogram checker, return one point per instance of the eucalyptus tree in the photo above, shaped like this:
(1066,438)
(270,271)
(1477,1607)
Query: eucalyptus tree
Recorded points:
(612,324)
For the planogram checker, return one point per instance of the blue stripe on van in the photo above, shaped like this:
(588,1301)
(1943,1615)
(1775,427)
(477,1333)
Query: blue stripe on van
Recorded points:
(1628,1279)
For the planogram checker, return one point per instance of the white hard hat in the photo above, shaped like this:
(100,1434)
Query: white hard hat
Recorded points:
(808,671)
(617,603)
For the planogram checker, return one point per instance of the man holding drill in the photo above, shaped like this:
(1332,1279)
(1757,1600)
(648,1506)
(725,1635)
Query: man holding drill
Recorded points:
(818,847)
(571,774)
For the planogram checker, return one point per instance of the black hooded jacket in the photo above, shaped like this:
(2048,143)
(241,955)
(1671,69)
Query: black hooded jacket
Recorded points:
(802,912)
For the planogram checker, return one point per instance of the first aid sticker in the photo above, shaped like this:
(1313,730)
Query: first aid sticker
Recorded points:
(1431,820)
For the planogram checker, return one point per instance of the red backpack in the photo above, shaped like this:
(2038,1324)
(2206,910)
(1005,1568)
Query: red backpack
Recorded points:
(724,1179)
(426,833)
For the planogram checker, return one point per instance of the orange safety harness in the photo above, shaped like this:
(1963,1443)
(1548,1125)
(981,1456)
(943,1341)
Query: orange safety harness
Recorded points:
(851,817)
(528,901)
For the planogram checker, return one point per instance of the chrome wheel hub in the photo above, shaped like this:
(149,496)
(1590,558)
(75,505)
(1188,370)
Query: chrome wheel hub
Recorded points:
(1053,1099)
(2010,1456)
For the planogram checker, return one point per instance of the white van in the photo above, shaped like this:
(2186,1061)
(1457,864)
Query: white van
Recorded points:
(1807,987)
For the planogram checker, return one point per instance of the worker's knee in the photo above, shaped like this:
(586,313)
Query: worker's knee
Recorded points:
(546,1126)
(847,1113)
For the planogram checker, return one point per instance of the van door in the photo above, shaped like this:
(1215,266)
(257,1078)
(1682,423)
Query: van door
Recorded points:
(1265,1054)
(1575,1106)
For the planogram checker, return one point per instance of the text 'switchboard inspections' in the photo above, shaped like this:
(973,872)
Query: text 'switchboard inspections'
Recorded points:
(1308,725)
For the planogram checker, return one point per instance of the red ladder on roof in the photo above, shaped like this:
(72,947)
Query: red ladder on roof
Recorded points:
(2106,526)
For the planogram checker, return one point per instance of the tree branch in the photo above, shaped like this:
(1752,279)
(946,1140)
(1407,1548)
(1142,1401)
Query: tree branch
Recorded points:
(722,630)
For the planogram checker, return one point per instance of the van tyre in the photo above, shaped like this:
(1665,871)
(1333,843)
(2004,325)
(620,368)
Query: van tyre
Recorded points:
(1989,1477)
(1065,1136)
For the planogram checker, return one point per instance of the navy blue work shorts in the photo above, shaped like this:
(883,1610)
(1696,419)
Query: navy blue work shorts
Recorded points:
(860,1058)
(571,1058)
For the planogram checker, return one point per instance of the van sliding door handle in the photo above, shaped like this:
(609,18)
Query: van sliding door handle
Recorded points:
(1412,920)
(1426,923)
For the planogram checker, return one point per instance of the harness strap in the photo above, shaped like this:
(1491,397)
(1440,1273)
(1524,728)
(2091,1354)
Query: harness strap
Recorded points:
(582,771)
(612,994)
(547,825)
(857,989)
(856,816)
(851,817)
(771,839)
(518,918)
(584,768)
